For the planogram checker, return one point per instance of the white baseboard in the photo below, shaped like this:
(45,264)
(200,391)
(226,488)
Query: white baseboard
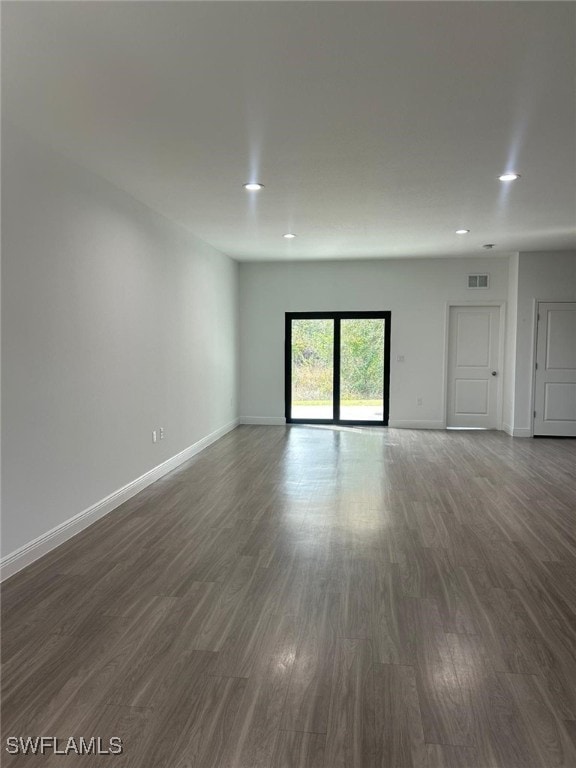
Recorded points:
(40,546)
(522,432)
(403,424)
(274,421)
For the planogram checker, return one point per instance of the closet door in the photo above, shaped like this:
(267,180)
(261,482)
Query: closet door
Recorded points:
(555,375)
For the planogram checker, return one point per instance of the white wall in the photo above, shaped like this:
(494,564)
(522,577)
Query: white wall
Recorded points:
(115,322)
(415,290)
(542,277)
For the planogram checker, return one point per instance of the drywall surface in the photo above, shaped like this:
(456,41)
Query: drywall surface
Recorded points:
(115,323)
(415,290)
(541,277)
(510,352)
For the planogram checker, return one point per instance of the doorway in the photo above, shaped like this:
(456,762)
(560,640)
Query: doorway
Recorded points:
(474,367)
(337,368)
(555,370)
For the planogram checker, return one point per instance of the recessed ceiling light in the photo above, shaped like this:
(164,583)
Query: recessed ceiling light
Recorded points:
(253,186)
(509,176)
(289,236)
(462,231)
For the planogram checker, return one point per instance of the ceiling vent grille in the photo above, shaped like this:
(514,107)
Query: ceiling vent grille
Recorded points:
(478,281)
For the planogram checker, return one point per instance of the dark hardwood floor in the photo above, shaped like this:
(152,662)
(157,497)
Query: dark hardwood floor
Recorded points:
(313,598)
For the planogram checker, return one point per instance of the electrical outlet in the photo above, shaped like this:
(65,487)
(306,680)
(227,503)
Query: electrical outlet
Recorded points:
(399,358)
(419,401)
(161,433)
(154,436)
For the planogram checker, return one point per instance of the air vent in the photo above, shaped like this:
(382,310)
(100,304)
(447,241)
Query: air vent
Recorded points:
(478,281)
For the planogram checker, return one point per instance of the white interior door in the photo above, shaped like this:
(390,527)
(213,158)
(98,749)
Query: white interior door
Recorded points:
(555,376)
(473,373)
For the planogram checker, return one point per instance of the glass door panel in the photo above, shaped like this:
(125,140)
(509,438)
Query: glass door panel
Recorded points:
(362,369)
(312,369)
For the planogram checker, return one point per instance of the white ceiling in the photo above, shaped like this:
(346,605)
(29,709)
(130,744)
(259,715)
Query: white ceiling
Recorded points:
(378,128)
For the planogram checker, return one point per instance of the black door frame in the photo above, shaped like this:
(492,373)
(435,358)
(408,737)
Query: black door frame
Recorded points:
(337,317)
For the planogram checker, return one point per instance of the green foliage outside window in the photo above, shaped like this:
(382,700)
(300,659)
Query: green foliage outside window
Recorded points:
(362,360)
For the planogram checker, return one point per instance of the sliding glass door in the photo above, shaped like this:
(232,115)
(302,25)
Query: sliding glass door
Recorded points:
(312,361)
(362,369)
(337,367)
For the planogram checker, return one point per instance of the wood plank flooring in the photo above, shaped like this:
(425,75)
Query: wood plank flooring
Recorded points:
(301,597)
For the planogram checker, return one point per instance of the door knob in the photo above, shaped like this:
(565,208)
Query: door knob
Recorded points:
(494,373)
